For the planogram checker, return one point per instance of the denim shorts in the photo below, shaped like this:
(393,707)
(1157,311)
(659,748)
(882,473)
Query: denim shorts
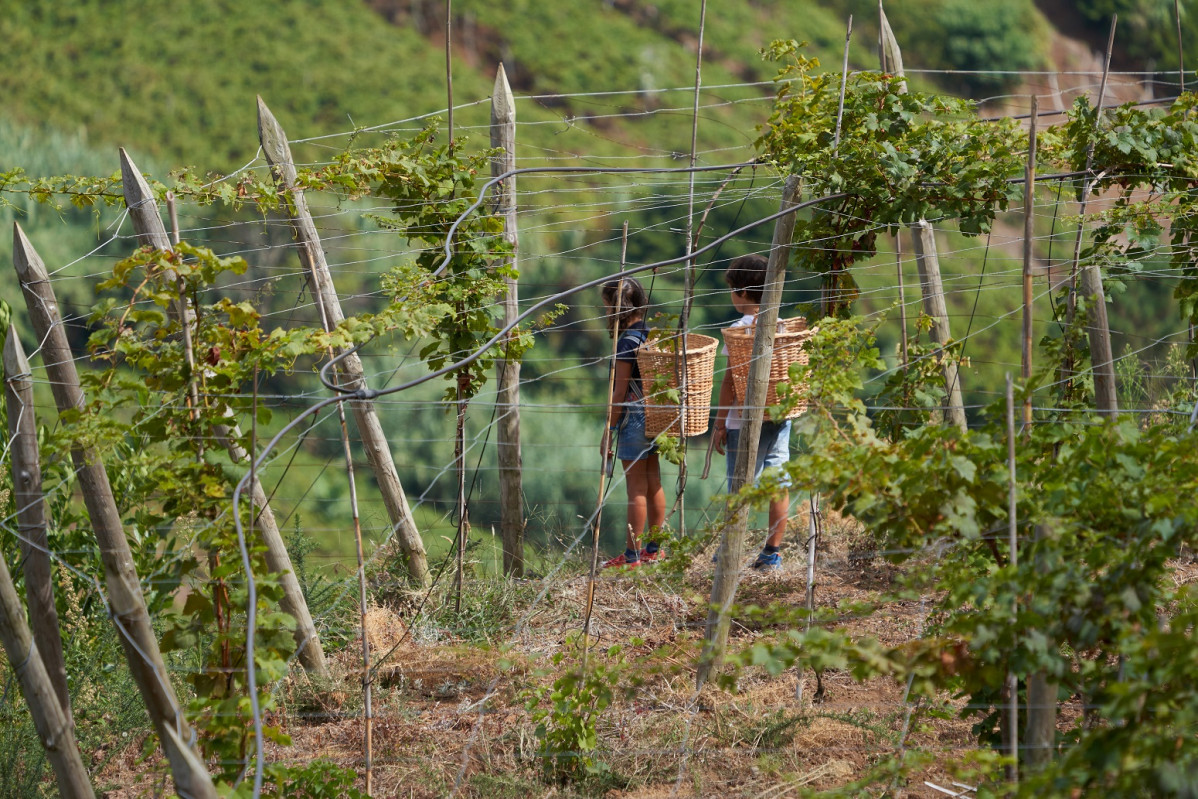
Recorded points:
(632,445)
(773,449)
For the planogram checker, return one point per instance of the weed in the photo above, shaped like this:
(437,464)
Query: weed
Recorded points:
(778,729)
(568,713)
(502,786)
(22,761)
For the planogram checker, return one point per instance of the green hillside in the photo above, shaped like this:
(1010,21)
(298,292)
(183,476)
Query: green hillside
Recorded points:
(175,84)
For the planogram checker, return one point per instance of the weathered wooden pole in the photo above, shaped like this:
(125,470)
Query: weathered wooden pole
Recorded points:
(1029,240)
(1102,360)
(147,224)
(507,397)
(891,58)
(31,515)
(688,278)
(125,600)
(378,452)
(1012,715)
(934,306)
(54,727)
(728,559)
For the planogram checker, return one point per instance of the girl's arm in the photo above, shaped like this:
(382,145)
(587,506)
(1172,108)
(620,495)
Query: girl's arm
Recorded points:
(614,410)
(619,391)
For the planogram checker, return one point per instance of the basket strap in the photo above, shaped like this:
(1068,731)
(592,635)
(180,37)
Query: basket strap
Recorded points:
(636,390)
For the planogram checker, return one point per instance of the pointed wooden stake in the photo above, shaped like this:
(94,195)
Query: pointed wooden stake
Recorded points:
(934,306)
(54,728)
(147,223)
(378,452)
(511,493)
(125,599)
(728,558)
(31,515)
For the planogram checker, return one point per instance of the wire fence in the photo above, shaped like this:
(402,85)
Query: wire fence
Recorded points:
(569,237)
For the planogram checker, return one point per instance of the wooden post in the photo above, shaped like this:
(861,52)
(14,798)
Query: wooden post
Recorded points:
(507,397)
(892,56)
(1102,361)
(688,279)
(934,306)
(892,64)
(1040,733)
(363,606)
(147,224)
(31,516)
(378,452)
(728,560)
(1029,239)
(1012,718)
(125,600)
(54,727)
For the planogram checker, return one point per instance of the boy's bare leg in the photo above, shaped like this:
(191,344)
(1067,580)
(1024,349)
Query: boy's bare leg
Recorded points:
(779,513)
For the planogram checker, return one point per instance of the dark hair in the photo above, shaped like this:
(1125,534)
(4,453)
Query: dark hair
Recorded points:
(632,302)
(746,275)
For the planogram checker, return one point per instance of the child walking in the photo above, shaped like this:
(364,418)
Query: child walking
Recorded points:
(746,277)
(624,302)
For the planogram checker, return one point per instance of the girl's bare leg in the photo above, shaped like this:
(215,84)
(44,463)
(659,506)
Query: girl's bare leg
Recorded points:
(637,481)
(655,494)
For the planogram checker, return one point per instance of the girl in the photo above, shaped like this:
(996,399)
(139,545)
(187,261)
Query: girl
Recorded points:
(625,312)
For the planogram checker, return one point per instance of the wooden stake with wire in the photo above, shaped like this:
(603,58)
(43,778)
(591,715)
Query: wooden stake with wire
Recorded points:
(888,50)
(507,393)
(367,705)
(608,453)
(459,454)
(1181,83)
(688,277)
(831,290)
(449,69)
(1029,207)
(1101,359)
(30,499)
(1012,726)
(815,527)
(1181,52)
(727,570)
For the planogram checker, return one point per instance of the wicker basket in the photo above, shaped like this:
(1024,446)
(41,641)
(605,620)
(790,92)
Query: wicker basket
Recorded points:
(658,362)
(788,349)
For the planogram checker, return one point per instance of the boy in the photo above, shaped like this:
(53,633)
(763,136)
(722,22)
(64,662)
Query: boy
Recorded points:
(746,277)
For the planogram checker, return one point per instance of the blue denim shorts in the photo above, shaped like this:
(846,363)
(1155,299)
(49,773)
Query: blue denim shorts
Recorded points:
(632,445)
(773,449)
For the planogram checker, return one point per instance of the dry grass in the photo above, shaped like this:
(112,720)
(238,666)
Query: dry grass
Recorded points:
(451,713)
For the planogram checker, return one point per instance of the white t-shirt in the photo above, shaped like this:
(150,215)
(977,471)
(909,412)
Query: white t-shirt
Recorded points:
(735,419)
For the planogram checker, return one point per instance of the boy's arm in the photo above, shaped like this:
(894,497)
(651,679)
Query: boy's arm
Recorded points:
(726,400)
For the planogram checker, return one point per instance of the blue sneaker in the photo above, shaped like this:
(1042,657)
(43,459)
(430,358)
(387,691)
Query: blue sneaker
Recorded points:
(768,562)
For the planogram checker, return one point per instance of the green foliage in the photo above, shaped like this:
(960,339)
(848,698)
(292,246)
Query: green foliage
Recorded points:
(980,37)
(1137,150)
(567,714)
(431,190)
(319,779)
(1103,511)
(20,773)
(1147,30)
(900,158)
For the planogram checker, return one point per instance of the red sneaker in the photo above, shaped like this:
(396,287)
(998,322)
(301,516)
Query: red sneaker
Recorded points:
(647,555)
(619,561)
